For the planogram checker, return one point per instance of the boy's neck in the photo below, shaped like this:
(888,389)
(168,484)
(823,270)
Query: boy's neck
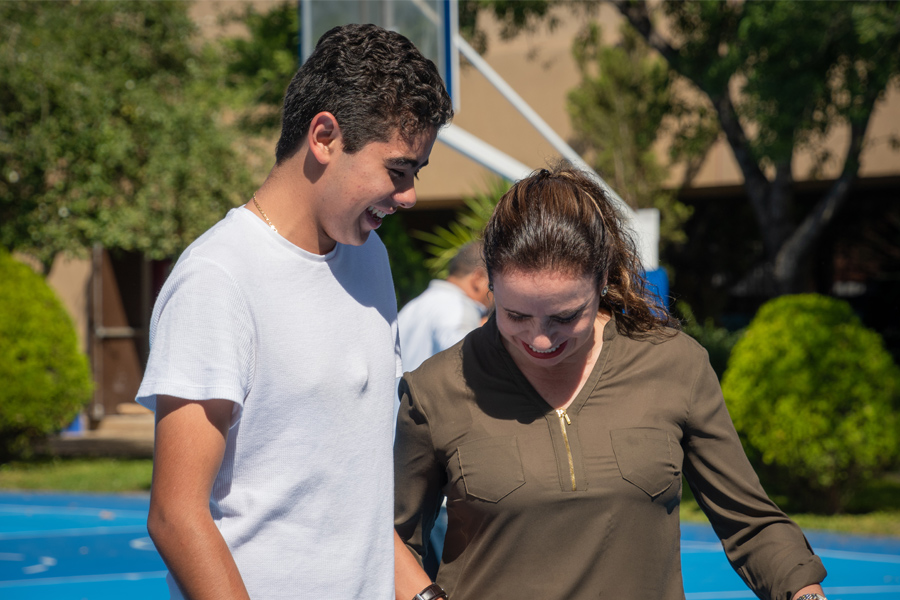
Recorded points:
(288,198)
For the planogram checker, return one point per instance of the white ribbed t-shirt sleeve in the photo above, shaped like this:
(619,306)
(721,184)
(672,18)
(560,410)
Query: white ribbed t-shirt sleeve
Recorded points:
(201,338)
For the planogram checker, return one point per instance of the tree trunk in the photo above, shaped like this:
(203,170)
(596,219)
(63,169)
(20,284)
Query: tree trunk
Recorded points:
(787,247)
(788,271)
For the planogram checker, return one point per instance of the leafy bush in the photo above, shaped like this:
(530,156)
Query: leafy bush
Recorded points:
(718,341)
(45,379)
(815,397)
(407,263)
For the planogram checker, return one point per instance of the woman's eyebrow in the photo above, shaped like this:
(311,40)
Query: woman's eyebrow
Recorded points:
(566,312)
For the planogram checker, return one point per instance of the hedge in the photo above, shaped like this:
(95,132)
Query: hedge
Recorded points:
(815,397)
(46,379)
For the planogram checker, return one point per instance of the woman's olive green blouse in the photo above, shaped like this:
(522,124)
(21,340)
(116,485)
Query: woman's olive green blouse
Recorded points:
(583,504)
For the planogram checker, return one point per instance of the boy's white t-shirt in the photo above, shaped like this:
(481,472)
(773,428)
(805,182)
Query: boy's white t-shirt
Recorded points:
(306,347)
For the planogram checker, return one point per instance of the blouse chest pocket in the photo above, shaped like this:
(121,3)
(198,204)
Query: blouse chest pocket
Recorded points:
(647,458)
(491,468)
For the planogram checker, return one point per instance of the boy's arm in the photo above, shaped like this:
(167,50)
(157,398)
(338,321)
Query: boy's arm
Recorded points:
(188,451)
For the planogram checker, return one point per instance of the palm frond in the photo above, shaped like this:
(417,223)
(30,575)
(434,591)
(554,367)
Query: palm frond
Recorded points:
(444,242)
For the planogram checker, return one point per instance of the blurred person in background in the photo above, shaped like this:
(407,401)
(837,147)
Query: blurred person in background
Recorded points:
(447,310)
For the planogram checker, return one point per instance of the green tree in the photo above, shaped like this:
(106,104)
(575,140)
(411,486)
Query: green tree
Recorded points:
(110,129)
(779,77)
(258,67)
(514,17)
(618,112)
(815,397)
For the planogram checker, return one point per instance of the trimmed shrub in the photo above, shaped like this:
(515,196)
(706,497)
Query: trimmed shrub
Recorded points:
(45,380)
(814,396)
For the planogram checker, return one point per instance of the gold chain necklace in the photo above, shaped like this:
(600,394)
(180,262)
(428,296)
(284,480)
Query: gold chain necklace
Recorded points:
(264,215)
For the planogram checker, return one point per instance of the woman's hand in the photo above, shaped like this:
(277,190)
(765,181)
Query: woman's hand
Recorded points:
(810,589)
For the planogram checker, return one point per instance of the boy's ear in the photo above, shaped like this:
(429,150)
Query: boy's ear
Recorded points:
(324,137)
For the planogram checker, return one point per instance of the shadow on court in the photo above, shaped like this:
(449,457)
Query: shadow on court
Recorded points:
(95,547)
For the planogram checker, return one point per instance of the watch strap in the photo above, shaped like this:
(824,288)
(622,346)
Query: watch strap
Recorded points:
(432,592)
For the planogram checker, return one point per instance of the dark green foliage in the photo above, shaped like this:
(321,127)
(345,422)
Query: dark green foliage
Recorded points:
(45,379)
(407,262)
(806,65)
(816,400)
(259,67)
(109,129)
(445,242)
(514,17)
(718,341)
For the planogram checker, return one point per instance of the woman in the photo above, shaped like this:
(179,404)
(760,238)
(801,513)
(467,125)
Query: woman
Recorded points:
(560,430)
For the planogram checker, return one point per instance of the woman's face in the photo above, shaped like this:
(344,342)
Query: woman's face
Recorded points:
(546,318)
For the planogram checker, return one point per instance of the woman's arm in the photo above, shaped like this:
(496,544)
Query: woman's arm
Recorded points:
(766,548)
(418,481)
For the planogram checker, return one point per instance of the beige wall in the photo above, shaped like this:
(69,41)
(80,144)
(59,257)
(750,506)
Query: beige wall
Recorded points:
(70,278)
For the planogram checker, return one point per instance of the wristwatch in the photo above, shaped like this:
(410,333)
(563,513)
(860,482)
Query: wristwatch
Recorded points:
(811,597)
(432,592)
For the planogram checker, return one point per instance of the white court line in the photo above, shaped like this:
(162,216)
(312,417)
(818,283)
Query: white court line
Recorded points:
(51,533)
(843,591)
(694,547)
(862,590)
(13,556)
(853,555)
(27,509)
(699,547)
(84,579)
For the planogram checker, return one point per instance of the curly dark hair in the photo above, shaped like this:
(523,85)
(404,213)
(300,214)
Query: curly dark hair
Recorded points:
(562,220)
(374,82)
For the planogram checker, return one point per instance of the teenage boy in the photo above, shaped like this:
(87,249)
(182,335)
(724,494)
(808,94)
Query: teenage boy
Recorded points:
(274,345)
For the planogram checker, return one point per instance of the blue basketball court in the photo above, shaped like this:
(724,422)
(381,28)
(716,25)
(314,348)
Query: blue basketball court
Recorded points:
(93,547)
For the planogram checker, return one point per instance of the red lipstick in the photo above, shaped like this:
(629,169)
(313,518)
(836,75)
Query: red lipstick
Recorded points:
(553,354)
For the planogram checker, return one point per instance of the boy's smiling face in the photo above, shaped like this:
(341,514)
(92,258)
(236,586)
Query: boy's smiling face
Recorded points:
(364,187)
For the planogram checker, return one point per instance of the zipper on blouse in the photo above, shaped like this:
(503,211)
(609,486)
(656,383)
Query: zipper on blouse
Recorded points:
(563,421)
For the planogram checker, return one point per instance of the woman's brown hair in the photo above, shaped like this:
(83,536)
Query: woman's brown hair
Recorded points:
(563,221)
